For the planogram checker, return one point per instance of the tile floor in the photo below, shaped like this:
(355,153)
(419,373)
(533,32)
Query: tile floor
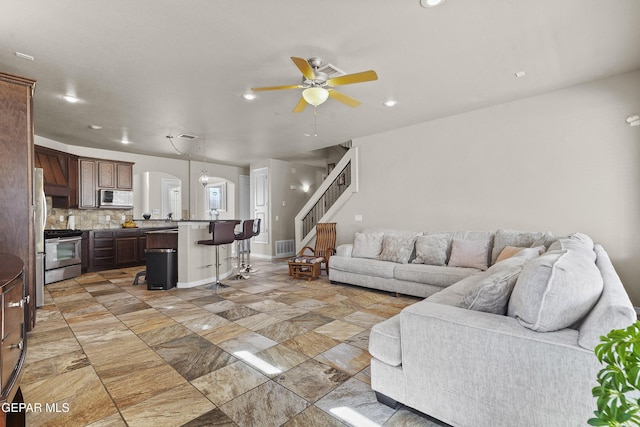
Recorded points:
(265,351)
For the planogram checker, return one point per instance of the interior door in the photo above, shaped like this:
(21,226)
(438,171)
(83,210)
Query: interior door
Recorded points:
(261,203)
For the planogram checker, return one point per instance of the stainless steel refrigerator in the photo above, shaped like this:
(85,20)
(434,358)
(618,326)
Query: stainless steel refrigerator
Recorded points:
(40,219)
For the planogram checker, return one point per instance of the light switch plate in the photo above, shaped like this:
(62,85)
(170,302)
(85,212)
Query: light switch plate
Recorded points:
(358,218)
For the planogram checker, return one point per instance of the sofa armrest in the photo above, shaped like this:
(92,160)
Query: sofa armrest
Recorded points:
(493,366)
(345,250)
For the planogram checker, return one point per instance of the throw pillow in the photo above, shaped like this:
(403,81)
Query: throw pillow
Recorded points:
(397,248)
(432,249)
(470,253)
(520,239)
(576,242)
(513,251)
(367,245)
(492,294)
(555,290)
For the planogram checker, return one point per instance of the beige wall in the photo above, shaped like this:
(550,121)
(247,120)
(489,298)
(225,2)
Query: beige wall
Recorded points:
(285,203)
(565,161)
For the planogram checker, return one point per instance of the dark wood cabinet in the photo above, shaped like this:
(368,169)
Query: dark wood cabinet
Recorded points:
(84,252)
(106,174)
(88,188)
(101,251)
(96,174)
(107,249)
(14,338)
(126,248)
(16,176)
(60,171)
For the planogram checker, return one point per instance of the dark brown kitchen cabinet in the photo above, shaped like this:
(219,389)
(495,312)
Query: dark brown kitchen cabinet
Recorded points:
(84,251)
(88,188)
(101,250)
(16,175)
(60,171)
(126,247)
(109,249)
(97,174)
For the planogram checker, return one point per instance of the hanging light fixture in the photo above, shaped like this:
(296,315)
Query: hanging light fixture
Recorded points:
(204,173)
(315,95)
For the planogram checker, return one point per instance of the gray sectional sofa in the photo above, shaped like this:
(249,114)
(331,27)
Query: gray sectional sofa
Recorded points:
(509,343)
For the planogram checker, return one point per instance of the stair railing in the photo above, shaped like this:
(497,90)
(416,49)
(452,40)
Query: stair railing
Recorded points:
(334,192)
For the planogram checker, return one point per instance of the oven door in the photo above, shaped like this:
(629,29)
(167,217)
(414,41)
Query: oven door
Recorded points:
(61,252)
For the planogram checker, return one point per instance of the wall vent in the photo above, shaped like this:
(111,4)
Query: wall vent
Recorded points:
(285,248)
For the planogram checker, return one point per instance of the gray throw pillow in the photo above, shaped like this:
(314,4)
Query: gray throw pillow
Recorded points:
(397,248)
(367,245)
(555,290)
(432,249)
(492,291)
(492,294)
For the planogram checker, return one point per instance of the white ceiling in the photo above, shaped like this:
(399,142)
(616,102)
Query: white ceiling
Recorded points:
(152,68)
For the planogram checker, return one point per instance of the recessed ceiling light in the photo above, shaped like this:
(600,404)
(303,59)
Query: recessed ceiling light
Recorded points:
(390,103)
(634,118)
(520,74)
(95,127)
(124,141)
(25,56)
(248,96)
(431,3)
(70,98)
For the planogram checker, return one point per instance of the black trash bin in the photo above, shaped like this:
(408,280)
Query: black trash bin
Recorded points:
(162,268)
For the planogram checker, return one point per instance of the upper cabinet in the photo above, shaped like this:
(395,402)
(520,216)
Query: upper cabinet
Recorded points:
(60,172)
(97,174)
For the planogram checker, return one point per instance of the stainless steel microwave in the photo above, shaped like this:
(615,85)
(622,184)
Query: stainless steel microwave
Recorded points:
(116,198)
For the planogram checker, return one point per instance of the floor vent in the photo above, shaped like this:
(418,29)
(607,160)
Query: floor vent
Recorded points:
(285,248)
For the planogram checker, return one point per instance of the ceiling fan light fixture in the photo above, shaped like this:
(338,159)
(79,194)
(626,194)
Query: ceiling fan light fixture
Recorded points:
(315,95)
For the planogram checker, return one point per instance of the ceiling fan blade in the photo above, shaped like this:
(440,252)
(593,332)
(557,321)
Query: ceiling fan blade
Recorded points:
(345,99)
(258,89)
(348,79)
(304,67)
(300,106)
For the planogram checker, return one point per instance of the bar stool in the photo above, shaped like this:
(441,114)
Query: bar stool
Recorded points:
(246,233)
(256,231)
(222,233)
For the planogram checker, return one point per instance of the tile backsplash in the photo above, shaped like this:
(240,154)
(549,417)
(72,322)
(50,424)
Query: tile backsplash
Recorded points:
(92,219)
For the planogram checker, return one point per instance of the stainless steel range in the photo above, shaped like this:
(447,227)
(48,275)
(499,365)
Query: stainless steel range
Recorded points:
(62,255)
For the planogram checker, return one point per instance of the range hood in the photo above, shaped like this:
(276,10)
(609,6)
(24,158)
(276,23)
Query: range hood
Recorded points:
(60,172)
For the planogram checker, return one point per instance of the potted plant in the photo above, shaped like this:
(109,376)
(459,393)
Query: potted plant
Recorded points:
(618,393)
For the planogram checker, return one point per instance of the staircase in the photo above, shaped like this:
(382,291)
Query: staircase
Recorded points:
(336,189)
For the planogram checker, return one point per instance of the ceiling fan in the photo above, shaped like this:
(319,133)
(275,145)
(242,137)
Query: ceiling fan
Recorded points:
(318,86)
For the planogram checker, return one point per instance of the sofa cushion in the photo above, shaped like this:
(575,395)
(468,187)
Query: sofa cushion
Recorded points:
(555,290)
(432,249)
(613,310)
(492,289)
(397,248)
(470,253)
(575,242)
(367,245)
(364,266)
(384,341)
(432,274)
(504,238)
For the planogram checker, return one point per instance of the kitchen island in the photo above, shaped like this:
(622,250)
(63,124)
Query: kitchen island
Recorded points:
(196,263)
